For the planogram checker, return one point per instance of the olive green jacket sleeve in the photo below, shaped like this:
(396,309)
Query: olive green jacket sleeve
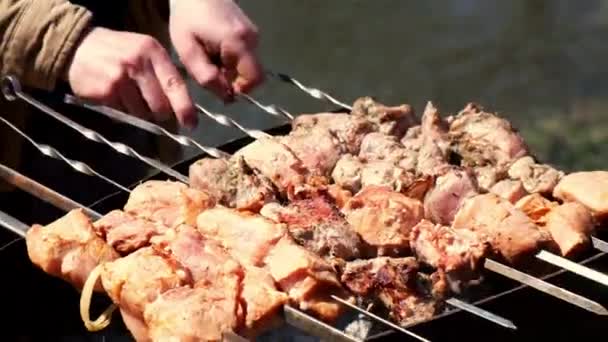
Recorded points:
(37,38)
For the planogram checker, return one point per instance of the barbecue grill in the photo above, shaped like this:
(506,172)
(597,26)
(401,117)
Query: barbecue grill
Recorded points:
(534,314)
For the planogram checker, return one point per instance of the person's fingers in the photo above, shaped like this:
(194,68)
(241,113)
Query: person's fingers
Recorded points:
(242,62)
(132,100)
(199,65)
(175,89)
(152,92)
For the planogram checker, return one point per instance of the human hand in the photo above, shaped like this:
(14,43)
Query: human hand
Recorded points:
(132,72)
(208,31)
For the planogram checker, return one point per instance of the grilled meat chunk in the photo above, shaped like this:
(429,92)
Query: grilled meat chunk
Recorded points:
(570,224)
(447,195)
(318,150)
(127,233)
(511,234)
(433,154)
(231,183)
(385,173)
(276,162)
(348,129)
(68,248)
(535,177)
(589,188)
(408,296)
(383,218)
(246,236)
(457,253)
(511,190)
(307,279)
(387,120)
(347,173)
(487,176)
(378,146)
(171,203)
(319,226)
(483,138)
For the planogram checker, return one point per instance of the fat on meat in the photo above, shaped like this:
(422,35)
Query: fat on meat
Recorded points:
(589,188)
(68,248)
(383,218)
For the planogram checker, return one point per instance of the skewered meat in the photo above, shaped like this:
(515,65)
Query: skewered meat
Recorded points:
(339,195)
(385,173)
(232,183)
(409,296)
(348,129)
(68,248)
(433,155)
(589,188)
(383,218)
(317,225)
(535,177)
(172,203)
(127,233)
(511,190)
(457,253)
(276,162)
(254,240)
(347,173)
(378,146)
(318,150)
(511,234)
(483,138)
(570,224)
(388,120)
(487,176)
(446,197)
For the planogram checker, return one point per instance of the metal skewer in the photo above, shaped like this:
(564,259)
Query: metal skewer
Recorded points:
(229,122)
(314,92)
(573,267)
(11,89)
(145,125)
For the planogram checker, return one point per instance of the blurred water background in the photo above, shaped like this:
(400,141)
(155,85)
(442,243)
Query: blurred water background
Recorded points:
(542,64)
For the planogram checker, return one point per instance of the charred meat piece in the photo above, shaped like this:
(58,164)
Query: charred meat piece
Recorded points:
(387,120)
(276,162)
(511,234)
(570,224)
(171,203)
(378,146)
(68,248)
(383,218)
(127,233)
(511,190)
(232,183)
(319,226)
(535,177)
(483,138)
(589,188)
(318,150)
(348,129)
(246,236)
(457,253)
(447,195)
(408,296)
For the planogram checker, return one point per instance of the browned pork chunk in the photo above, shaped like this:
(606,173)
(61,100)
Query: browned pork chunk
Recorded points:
(127,233)
(388,120)
(68,248)
(171,203)
(483,138)
(318,150)
(348,129)
(447,195)
(535,177)
(511,190)
(276,162)
(589,188)
(232,183)
(378,146)
(570,224)
(511,234)
(433,155)
(383,218)
(458,253)
(347,173)
(408,296)
(319,226)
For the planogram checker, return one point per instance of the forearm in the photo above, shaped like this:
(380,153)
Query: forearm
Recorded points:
(37,38)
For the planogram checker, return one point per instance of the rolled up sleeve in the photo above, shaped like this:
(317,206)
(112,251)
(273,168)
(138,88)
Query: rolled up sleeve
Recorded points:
(37,38)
